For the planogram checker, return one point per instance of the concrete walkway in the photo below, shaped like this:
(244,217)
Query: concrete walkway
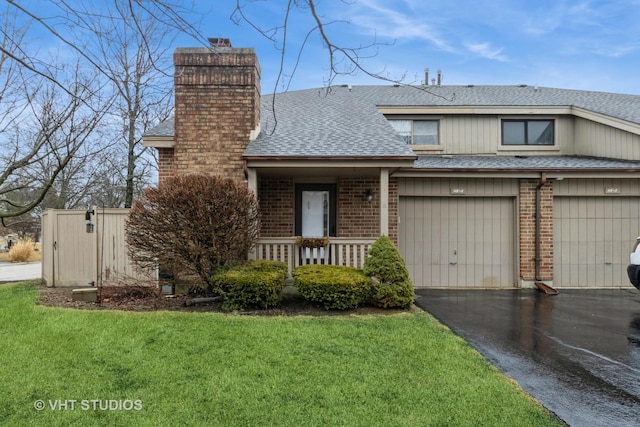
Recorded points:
(578,352)
(12,272)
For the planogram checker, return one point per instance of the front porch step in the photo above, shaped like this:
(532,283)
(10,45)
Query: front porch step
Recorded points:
(84,294)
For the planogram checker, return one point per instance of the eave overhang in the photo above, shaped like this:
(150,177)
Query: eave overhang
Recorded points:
(327,165)
(158,141)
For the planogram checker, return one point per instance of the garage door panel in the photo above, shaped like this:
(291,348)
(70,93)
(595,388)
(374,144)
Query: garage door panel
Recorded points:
(592,239)
(466,242)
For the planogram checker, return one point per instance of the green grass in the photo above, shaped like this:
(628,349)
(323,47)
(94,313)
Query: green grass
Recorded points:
(225,370)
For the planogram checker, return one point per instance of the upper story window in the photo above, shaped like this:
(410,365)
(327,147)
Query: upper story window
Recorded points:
(417,132)
(527,132)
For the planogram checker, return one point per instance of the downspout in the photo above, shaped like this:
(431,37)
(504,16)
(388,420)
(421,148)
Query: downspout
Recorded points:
(538,232)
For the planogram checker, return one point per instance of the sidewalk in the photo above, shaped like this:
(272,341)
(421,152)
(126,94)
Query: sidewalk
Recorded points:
(12,272)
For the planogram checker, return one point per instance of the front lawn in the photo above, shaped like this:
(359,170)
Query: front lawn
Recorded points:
(168,368)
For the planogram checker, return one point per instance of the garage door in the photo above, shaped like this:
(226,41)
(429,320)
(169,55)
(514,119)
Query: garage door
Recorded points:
(458,242)
(592,240)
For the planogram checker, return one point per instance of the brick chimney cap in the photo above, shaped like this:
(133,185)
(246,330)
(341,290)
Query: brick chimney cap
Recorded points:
(219,42)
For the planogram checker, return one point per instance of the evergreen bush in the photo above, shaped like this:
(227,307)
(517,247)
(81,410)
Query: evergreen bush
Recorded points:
(256,283)
(392,286)
(334,286)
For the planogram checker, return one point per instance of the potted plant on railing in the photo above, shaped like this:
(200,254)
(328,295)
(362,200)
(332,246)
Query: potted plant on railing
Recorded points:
(312,242)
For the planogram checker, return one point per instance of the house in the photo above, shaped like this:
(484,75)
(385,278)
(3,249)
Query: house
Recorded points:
(479,186)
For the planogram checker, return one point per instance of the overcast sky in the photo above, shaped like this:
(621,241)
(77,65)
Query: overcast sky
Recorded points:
(591,45)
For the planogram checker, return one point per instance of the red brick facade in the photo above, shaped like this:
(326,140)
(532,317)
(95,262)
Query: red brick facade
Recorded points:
(166,165)
(527,211)
(217,98)
(277,197)
(394,202)
(356,216)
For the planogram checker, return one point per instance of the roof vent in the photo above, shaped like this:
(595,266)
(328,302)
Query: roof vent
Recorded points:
(219,42)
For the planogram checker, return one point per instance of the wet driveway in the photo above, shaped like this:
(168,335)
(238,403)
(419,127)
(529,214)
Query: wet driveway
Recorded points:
(578,352)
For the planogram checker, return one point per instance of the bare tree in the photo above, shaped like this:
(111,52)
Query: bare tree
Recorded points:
(129,45)
(122,44)
(50,128)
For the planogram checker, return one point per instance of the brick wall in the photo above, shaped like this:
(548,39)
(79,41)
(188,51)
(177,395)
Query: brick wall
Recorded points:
(276,206)
(217,97)
(166,165)
(528,226)
(356,216)
(394,201)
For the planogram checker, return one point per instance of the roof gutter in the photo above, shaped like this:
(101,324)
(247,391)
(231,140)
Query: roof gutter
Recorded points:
(327,158)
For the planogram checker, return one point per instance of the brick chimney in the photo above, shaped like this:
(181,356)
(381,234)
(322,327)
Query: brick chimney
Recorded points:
(217,108)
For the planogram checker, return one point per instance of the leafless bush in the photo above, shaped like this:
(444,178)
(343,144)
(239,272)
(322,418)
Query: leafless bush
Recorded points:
(193,224)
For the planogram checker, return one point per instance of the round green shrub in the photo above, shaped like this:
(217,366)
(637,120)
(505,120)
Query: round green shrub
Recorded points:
(394,295)
(392,286)
(336,287)
(256,283)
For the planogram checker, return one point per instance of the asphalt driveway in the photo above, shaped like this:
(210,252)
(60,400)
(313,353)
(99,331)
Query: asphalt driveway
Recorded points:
(578,352)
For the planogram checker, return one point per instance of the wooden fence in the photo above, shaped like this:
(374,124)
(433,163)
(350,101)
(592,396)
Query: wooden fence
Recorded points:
(72,256)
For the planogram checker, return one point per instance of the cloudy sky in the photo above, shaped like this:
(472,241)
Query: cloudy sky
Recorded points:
(581,44)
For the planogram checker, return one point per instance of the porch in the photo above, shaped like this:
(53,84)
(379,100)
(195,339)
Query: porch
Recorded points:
(345,251)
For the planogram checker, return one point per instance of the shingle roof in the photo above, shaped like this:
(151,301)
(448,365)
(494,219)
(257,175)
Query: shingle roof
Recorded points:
(165,128)
(314,123)
(534,163)
(345,121)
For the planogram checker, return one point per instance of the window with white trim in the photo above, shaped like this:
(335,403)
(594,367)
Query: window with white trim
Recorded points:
(527,132)
(417,132)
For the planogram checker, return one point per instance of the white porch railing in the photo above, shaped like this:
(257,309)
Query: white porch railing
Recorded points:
(345,251)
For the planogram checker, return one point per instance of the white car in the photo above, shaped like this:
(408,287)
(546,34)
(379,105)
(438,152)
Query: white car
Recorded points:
(633,270)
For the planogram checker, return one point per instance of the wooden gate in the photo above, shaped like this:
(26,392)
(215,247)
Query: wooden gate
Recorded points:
(72,256)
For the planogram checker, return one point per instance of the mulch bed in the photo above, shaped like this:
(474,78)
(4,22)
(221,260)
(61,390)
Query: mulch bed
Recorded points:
(141,298)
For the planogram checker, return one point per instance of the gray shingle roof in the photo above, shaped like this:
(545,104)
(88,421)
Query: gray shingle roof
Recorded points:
(345,122)
(314,123)
(166,128)
(534,163)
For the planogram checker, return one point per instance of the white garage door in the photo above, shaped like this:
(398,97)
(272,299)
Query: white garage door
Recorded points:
(458,242)
(592,240)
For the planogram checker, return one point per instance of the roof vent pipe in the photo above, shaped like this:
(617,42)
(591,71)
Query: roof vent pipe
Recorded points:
(426,77)
(439,77)
(219,42)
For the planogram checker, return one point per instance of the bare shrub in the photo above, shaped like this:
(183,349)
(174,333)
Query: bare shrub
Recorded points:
(193,224)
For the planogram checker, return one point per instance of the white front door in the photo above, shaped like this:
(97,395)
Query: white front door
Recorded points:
(315,213)
(315,217)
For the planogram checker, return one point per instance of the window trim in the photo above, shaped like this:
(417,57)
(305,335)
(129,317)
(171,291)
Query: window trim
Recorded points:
(527,145)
